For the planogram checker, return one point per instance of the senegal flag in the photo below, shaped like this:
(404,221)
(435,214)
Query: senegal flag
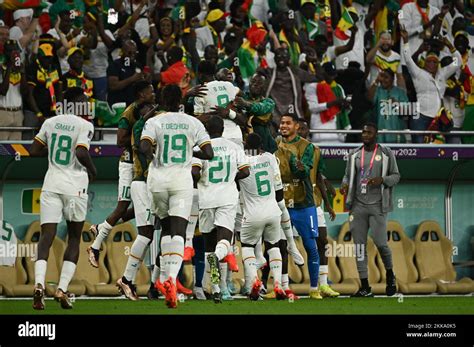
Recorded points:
(30,201)
(339,202)
(345,23)
(246,55)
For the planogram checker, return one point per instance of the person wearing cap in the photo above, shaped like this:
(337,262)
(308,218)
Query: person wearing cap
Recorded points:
(44,87)
(76,77)
(24,28)
(211,33)
(430,84)
(12,84)
(325,106)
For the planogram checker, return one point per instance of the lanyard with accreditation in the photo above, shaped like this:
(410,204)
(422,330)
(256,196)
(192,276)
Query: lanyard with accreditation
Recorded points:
(364,178)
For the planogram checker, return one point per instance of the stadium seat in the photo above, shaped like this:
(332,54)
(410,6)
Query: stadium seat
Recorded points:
(433,252)
(350,277)
(403,253)
(376,280)
(119,243)
(13,280)
(95,280)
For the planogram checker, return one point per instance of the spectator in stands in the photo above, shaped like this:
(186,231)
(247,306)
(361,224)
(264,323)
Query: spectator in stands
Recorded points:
(430,84)
(289,37)
(4,34)
(382,57)
(97,63)
(325,106)
(12,86)
(389,102)
(122,73)
(211,33)
(310,23)
(175,71)
(211,54)
(45,87)
(284,85)
(259,111)
(24,29)
(76,77)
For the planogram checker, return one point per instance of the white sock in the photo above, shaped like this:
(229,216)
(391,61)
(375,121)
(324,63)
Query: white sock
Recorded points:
(206,278)
(313,289)
(323,274)
(155,274)
(222,249)
(165,256)
(248,257)
(229,275)
(176,257)
(258,252)
(40,271)
(275,264)
(137,252)
(67,272)
(163,273)
(285,282)
(223,268)
(286,226)
(104,230)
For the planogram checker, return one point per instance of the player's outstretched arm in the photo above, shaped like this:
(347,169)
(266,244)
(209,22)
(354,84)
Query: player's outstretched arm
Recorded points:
(85,159)
(146,148)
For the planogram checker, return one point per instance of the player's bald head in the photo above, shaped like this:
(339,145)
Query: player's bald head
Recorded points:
(215,126)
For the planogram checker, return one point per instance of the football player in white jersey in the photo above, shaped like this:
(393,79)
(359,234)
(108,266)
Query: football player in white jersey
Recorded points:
(261,191)
(218,200)
(144,94)
(218,99)
(65,139)
(170,180)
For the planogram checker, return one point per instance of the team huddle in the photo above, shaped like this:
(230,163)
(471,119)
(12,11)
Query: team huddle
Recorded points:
(178,169)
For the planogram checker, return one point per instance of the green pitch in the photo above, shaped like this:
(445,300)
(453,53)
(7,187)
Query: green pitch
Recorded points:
(410,305)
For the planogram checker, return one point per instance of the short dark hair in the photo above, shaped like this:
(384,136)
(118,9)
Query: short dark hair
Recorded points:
(140,86)
(73,94)
(206,68)
(254,141)
(389,72)
(372,125)
(175,53)
(293,116)
(215,125)
(171,97)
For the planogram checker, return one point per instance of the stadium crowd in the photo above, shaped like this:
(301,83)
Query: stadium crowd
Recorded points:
(335,63)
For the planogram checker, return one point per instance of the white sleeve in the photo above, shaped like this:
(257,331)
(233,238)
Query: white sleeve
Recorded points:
(242,159)
(331,53)
(201,137)
(85,136)
(149,131)
(197,162)
(406,19)
(42,136)
(15,33)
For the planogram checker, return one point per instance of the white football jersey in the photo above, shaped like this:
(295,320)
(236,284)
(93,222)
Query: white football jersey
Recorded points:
(258,189)
(62,135)
(175,134)
(217,185)
(220,93)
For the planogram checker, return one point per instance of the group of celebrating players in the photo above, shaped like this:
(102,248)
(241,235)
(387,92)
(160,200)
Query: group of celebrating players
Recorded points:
(178,169)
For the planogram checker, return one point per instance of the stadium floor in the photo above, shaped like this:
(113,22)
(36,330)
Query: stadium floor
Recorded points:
(344,305)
